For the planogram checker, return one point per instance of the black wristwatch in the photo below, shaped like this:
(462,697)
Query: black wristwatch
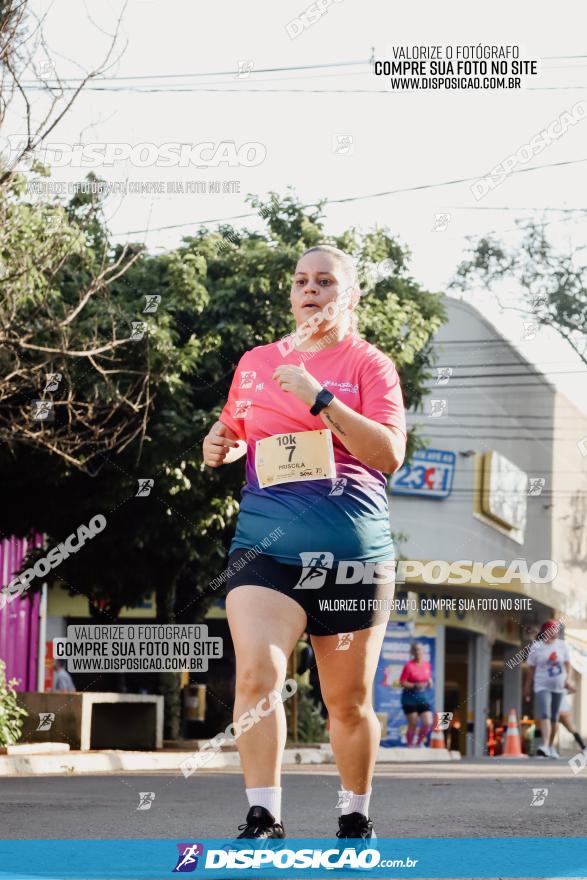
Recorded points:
(323,399)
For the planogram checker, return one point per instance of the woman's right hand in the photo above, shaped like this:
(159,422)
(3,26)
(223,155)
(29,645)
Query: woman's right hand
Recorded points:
(217,444)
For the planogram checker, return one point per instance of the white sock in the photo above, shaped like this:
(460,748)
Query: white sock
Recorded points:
(270,798)
(358,803)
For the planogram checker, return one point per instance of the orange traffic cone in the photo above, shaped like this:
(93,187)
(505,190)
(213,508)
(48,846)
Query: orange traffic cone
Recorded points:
(437,735)
(513,742)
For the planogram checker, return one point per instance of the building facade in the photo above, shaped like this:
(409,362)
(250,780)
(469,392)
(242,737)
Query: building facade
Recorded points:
(501,490)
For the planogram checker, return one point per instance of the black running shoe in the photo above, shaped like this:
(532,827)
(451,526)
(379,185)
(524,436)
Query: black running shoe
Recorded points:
(260,823)
(355,825)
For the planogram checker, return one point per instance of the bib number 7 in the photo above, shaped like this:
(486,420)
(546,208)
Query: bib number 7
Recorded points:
(291,458)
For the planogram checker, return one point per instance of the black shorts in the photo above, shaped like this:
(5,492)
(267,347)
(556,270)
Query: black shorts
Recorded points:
(331,608)
(416,707)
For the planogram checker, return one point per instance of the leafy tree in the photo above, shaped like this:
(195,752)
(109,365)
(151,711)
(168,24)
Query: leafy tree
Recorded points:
(41,104)
(553,284)
(60,326)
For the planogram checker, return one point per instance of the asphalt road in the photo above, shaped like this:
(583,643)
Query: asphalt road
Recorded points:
(466,799)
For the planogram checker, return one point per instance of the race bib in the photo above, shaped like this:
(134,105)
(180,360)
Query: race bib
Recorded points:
(290,458)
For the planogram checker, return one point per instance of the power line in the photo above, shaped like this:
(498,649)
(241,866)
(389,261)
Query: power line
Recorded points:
(549,493)
(236,72)
(452,421)
(506,386)
(528,372)
(494,364)
(253,71)
(510,208)
(526,439)
(556,88)
(348,199)
(228,90)
(233,72)
(472,341)
(188,87)
(470,415)
(519,417)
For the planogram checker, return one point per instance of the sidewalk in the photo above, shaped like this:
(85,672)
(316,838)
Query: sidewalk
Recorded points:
(57,759)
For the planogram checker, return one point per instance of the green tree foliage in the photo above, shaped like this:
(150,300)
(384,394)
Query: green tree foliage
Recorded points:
(553,284)
(59,318)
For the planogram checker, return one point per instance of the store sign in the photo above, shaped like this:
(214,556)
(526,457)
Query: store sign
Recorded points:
(505,488)
(429,474)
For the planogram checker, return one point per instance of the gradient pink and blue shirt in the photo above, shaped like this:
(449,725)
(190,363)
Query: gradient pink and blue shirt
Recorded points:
(347,516)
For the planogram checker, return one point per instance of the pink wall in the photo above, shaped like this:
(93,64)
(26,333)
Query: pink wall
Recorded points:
(19,619)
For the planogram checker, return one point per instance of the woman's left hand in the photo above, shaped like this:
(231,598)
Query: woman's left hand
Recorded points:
(297,381)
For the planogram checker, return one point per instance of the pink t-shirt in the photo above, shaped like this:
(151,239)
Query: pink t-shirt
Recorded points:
(416,673)
(348,516)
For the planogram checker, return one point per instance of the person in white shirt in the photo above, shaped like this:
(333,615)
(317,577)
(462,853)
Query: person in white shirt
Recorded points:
(549,671)
(62,680)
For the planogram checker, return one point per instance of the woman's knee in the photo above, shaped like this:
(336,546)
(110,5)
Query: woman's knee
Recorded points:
(254,681)
(349,706)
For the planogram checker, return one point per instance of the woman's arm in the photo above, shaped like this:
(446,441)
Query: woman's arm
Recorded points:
(568,671)
(222,446)
(379,446)
(403,679)
(529,683)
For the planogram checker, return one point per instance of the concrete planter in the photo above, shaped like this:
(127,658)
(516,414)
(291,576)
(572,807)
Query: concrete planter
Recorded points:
(93,720)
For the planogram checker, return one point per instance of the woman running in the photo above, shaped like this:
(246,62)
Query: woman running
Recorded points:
(549,671)
(320,416)
(415,679)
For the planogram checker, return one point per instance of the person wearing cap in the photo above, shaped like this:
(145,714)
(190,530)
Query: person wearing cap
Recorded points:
(548,674)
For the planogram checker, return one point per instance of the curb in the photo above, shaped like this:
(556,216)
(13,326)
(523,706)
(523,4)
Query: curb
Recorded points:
(415,756)
(112,761)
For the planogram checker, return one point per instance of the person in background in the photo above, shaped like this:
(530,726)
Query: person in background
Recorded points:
(62,680)
(308,667)
(549,670)
(415,679)
(565,716)
(306,658)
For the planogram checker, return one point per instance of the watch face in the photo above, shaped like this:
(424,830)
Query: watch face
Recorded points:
(323,398)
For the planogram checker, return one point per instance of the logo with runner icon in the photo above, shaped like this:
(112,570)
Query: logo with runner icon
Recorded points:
(247,378)
(539,796)
(315,567)
(241,409)
(187,860)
